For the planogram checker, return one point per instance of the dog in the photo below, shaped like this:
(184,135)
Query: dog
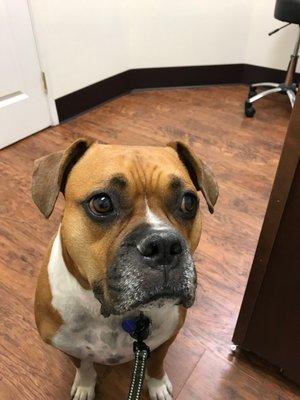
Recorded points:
(130,225)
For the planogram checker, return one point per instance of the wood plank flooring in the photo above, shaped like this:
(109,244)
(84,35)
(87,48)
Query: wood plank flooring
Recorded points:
(243,154)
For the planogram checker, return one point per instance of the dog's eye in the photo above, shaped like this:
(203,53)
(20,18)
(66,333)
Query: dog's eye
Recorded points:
(101,204)
(189,204)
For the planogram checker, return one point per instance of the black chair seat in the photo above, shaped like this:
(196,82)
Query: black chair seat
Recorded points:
(288,11)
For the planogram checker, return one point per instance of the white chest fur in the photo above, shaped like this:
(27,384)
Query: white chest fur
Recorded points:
(85,333)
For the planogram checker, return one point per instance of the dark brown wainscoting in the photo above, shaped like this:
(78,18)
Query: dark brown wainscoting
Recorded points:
(146,78)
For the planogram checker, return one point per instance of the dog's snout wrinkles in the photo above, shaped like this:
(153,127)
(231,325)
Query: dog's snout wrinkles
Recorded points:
(161,248)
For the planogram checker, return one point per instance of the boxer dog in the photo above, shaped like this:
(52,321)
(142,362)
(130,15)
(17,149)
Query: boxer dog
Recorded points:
(130,225)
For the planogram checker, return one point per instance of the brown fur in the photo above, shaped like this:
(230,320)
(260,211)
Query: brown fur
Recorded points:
(47,319)
(50,174)
(87,246)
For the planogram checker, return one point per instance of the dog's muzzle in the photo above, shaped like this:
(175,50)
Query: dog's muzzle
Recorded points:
(152,263)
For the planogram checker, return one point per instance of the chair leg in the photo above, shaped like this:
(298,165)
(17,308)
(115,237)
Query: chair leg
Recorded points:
(264,84)
(291,96)
(263,94)
(249,109)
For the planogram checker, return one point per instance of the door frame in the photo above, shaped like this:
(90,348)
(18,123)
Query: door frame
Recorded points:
(43,66)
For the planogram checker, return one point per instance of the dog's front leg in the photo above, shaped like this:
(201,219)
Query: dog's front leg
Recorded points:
(85,380)
(159,385)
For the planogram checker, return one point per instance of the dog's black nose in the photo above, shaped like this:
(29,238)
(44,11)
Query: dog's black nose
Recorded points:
(161,248)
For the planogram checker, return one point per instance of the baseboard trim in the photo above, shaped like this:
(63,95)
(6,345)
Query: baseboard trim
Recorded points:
(75,103)
(254,73)
(144,78)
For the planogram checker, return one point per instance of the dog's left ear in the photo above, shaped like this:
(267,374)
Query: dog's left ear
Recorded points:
(50,174)
(201,175)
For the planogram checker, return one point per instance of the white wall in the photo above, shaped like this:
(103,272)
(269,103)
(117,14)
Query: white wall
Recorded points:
(269,51)
(83,42)
(188,32)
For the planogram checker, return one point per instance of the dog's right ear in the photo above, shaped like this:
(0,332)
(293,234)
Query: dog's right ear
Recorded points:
(50,174)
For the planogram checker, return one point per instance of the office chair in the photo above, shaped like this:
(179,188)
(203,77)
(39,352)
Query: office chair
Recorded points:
(287,11)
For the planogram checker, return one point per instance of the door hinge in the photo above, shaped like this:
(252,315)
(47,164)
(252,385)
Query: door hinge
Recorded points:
(44,82)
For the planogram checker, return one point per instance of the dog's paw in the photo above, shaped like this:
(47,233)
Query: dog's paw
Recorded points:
(159,389)
(84,384)
(83,393)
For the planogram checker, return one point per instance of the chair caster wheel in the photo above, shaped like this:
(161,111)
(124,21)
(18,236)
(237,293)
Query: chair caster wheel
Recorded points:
(252,92)
(249,109)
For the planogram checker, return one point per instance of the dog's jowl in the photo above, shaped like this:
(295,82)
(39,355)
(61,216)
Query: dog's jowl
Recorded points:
(130,226)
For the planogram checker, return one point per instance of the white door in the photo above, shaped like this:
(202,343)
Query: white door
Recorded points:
(23,102)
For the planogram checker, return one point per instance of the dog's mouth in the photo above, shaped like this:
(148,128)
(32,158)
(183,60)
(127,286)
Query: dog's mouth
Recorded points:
(134,293)
(151,264)
(154,301)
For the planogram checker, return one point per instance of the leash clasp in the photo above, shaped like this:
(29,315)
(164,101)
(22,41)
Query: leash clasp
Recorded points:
(141,346)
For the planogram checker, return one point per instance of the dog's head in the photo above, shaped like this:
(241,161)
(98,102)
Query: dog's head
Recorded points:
(131,220)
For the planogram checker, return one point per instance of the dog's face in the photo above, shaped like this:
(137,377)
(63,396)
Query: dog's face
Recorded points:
(131,221)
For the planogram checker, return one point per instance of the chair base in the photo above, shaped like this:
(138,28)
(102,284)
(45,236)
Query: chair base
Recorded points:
(289,90)
(287,87)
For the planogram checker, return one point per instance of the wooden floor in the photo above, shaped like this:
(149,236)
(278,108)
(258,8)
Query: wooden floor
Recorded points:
(244,155)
